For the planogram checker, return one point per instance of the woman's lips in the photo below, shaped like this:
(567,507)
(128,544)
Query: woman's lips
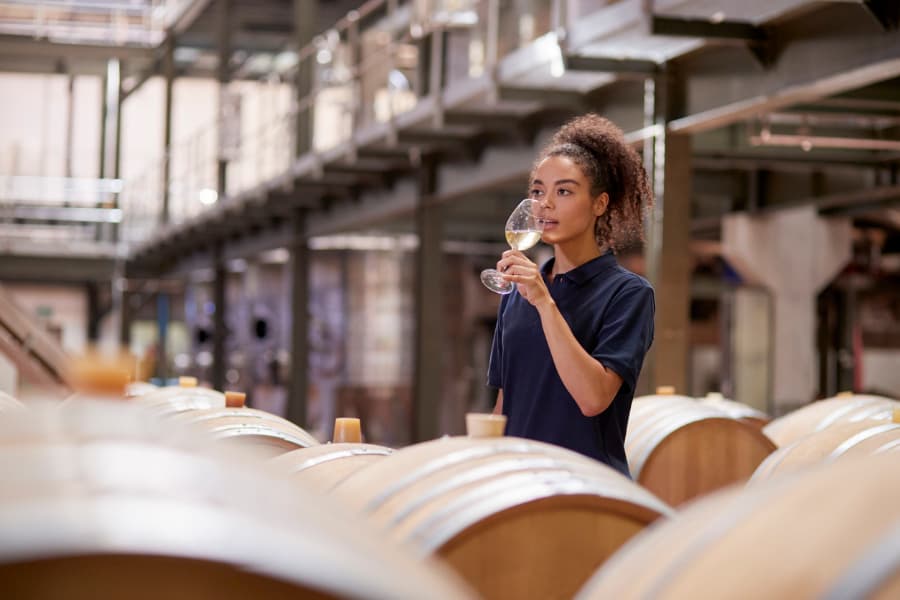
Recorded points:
(548,224)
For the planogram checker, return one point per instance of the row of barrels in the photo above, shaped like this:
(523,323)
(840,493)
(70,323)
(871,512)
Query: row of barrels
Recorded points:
(172,495)
(681,448)
(513,518)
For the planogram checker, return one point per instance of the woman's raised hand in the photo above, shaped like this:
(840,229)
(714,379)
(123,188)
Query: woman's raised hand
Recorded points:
(519,269)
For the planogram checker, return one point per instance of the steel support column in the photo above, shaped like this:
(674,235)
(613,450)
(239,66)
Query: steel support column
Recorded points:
(162,329)
(220,331)
(125,321)
(169,74)
(223,74)
(430,331)
(304,30)
(668,237)
(70,124)
(95,312)
(299,375)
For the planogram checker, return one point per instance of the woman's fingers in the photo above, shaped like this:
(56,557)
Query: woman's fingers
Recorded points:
(510,258)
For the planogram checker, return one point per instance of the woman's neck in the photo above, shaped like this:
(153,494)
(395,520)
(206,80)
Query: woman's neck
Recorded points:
(568,257)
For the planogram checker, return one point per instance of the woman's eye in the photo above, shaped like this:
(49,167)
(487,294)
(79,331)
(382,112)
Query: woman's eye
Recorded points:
(535,193)
(563,192)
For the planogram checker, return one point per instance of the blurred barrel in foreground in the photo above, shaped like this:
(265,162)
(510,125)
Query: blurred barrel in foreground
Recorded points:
(829,532)
(679,448)
(174,399)
(324,466)
(100,502)
(261,432)
(858,439)
(139,388)
(8,403)
(516,518)
(825,413)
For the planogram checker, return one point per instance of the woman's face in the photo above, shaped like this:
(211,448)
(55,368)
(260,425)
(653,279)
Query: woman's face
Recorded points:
(567,207)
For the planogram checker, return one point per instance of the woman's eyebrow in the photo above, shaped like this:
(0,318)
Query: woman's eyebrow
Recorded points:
(559,182)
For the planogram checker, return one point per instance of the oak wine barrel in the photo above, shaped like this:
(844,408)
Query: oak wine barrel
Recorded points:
(516,518)
(832,531)
(860,438)
(324,466)
(9,403)
(736,410)
(818,415)
(679,448)
(174,399)
(261,432)
(139,388)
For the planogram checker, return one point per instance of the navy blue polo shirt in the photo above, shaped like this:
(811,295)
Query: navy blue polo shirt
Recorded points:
(610,311)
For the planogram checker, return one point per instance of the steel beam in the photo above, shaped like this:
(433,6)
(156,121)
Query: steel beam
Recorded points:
(61,269)
(837,50)
(603,64)
(15,45)
(726,30)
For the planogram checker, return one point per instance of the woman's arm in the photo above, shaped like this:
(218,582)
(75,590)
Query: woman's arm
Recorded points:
(498,406)
(592,385)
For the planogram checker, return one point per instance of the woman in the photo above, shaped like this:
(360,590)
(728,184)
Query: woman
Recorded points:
(569,345)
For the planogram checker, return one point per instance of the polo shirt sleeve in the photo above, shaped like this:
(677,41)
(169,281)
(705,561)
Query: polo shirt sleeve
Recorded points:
(627,331)
(494,372)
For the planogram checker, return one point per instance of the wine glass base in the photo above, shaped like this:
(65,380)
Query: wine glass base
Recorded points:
(493,280)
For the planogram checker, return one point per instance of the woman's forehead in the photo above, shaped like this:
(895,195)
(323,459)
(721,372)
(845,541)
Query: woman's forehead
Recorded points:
(555,168)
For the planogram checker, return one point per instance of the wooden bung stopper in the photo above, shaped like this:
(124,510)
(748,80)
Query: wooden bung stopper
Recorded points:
(845,394)
(895,417)
(347,429)
(485,425)
(665,390)
(95,373)
(235,399)
(187,382)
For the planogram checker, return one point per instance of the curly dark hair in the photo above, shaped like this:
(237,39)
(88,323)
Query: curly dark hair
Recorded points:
(611,165)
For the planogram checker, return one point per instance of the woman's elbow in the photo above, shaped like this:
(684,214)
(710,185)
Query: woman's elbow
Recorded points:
(594,406)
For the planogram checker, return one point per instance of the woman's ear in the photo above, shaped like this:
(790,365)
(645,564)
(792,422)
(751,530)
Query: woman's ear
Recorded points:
(601,202)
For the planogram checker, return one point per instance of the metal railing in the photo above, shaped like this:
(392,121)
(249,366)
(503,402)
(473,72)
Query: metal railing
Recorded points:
(102,22)
(362,76)
(45,214)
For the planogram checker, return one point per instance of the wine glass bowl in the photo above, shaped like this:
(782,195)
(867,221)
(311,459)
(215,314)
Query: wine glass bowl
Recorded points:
(523,230)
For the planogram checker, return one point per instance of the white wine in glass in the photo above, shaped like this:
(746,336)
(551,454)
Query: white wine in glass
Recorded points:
(523,230)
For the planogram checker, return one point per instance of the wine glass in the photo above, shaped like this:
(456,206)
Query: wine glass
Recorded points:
(523,230)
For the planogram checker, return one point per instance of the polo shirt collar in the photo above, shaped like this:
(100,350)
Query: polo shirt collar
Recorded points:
(583,273)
